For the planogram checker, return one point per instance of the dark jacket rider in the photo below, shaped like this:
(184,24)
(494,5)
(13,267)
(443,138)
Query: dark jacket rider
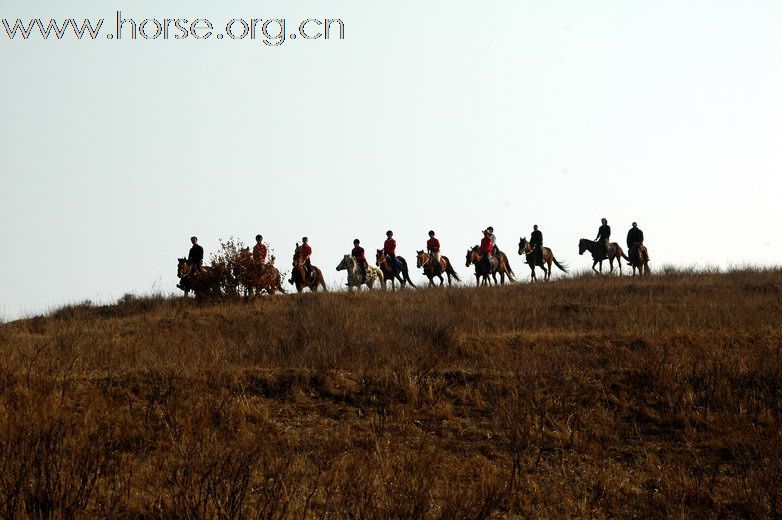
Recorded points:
(196,255)
(604,236)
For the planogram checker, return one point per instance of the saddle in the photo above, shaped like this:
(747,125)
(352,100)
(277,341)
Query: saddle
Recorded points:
(394,263)
(494,262)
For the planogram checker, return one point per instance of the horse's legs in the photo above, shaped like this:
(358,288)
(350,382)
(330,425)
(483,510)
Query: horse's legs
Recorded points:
(532,269)
(594,264)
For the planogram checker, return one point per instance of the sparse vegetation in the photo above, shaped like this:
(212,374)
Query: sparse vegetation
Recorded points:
(587,397)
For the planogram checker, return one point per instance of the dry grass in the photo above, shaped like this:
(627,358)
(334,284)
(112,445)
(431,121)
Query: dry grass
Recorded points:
(581,398)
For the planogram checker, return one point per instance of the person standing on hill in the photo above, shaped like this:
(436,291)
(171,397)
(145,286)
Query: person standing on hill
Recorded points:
(358,255)
(635,238)
(433,247)
(604,237)
(196,255)
(536,239)
(260,251)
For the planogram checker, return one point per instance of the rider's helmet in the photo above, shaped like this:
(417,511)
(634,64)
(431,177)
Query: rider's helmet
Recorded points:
(389,233)
(635,224)
(535,227)
(194,239)
(356,242)
(604,220)
(431,233)
(304,239)
(258,238)
(490,229)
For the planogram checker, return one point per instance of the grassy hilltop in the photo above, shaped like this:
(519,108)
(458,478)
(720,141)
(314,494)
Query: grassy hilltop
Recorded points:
(585,397)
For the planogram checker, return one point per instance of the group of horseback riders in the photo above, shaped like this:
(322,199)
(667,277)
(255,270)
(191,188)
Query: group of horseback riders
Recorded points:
(490,253)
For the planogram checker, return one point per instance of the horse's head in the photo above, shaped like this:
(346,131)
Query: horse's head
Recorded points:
(421,258)
(523,245)
(183,268)
(346,263)
(473,256)
(583,245)
(380,258)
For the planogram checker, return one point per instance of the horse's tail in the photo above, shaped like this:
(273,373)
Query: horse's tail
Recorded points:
(507,265)
(562,267)
(511,274)
(449,269)
(406,274)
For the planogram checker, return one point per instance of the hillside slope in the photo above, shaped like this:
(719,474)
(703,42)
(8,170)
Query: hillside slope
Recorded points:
(583,397)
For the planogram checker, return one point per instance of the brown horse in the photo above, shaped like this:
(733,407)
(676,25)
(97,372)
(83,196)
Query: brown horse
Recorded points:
(426,261)
(534,258)
(300,279)
(256,279)
(204,282)
(392,272)
(483,269)
(615,252)
(640,260)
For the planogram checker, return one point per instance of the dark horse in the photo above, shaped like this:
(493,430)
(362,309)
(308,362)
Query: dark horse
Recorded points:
(536,259)
(427,261)
(300,279)
(483,269)
(392,272)
(615,252)
(203,282)
(639,259)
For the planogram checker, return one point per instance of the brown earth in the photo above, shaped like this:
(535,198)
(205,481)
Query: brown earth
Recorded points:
(586,397)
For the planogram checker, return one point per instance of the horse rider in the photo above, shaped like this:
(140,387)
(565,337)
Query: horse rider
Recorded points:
(433,247)
(305,252)
(358,255)
(536,240)
(195,258)
(635,238)
(487,246)
(301,256)
(604,237)
(260,251)
(494,249)
(389,249)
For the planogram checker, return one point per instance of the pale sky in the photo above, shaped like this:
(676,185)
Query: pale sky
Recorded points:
(449,116)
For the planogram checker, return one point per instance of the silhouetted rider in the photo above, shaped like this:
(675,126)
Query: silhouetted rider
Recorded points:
(635,238)
(536,239)
(604,237)
(196,255)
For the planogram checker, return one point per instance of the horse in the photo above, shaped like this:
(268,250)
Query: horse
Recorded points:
(535,259)
(392,272)
(643,264)
(350,265)
(426,261)
(482,270)
(203,282)
(254,278)
(300,279)
(615,252)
